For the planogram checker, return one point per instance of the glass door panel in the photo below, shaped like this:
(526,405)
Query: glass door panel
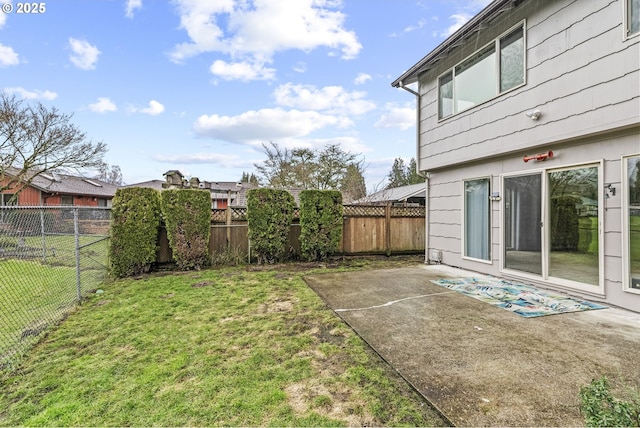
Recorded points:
(522,223)
(573,225)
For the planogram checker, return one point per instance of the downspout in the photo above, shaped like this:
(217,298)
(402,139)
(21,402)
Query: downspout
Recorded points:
(422,174)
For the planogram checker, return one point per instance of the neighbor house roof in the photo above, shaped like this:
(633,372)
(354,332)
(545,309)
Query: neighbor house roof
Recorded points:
(55,182)
(151,184)
(401,193)
(476,23)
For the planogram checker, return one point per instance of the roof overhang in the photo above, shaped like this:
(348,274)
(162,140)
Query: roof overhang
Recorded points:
(478,22)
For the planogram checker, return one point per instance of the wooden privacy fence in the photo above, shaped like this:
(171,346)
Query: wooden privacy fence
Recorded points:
(367,229)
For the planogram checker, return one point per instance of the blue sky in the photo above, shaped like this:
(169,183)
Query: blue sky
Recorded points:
(199,85)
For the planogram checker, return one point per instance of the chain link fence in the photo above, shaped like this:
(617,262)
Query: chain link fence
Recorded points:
(50,258)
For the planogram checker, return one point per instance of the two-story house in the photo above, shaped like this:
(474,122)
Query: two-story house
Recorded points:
(529,140)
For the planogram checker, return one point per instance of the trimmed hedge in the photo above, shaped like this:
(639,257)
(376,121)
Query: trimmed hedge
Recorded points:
(321,220)
(135,220)
(187,217)
(269,214)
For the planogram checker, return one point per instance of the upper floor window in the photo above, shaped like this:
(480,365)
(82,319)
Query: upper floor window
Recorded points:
(492,70)
(633,17)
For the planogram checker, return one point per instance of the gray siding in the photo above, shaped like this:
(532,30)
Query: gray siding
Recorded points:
(581,73)
(445,204)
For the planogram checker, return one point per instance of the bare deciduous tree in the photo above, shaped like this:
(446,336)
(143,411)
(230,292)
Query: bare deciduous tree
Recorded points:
(110,173)
(35,139)
(329,168)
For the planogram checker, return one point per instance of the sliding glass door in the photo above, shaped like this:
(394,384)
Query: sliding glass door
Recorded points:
(522,223)
(573,225)
(631,211)
(551,225)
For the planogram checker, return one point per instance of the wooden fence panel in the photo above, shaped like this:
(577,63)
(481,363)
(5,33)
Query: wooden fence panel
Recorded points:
(366,230)
(407,234)
(363,235)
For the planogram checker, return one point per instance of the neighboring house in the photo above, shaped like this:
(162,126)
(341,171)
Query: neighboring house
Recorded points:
(223,193)
(411,195)
(55,189)
(529,136)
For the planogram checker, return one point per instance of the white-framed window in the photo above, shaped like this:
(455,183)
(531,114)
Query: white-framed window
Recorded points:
(477,219)
(631,222)
(632,17)
(489,72)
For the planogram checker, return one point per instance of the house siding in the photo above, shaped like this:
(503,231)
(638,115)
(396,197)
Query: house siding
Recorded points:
(570,49)
(445,214)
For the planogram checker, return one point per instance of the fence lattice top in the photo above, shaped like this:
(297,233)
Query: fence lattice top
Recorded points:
(240,213)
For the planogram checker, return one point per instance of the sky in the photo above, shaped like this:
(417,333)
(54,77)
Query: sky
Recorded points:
(200,85)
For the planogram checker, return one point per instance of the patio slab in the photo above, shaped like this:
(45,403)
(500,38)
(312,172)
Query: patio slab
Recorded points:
(480,365)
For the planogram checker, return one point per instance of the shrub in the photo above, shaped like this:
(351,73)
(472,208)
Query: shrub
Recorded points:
(134,230)
(601,409)
(321,219)
(187,217)
(269,214)
(229,257)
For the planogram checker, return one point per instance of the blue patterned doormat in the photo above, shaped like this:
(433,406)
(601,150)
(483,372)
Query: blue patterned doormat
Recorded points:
(524,300)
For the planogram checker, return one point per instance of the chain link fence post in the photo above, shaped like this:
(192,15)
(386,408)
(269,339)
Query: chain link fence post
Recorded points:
(50,259)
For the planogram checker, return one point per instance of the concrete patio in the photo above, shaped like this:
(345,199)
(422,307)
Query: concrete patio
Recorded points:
(480,365)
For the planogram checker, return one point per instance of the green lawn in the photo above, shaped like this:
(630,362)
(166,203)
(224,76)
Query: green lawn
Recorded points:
(38,288)
(241,346)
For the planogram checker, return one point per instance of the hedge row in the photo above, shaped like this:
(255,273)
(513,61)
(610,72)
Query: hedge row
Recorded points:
(135,219)
(137,214)
(321,222)
(187,216)
(269,214)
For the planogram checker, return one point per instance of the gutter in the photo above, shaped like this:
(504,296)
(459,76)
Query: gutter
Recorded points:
(487,14)
(423,174)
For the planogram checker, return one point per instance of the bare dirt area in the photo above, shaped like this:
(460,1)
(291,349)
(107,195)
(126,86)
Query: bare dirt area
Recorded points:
(478,364)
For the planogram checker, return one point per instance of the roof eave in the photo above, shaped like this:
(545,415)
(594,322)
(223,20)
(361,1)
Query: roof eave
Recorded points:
(411,75)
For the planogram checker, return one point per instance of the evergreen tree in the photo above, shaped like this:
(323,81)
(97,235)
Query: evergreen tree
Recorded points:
(353,186)
(249,178)
(412,173)
(403,175)
(398,175)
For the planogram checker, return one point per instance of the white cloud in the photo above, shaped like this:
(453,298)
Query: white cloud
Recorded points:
(220,159)
(466,11)
(256,127)
(300,67)
(401,117)
(131,6)
(411,28)
(330,99)
(459,19)
(256,29)
(84,55)
(103,105)
(8,56)
(32,95)
(153,109)
(242,71)
(362,78)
